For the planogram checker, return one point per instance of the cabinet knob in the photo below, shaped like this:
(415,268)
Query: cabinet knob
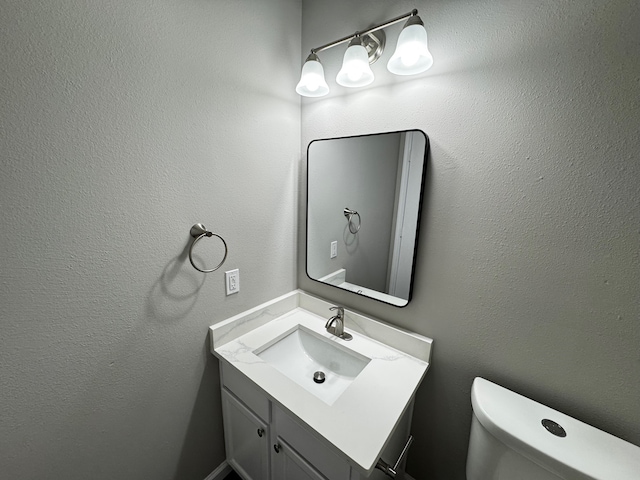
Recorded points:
(277,447)
(260,432)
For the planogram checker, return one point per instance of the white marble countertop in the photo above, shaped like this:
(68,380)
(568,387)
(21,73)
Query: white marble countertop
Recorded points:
(360,422)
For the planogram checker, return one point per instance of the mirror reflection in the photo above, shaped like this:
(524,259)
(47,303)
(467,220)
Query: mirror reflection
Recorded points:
(363,211)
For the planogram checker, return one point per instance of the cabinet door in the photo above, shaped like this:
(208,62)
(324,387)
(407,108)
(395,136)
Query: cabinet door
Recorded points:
(246,439)
(288,465)
(307,446)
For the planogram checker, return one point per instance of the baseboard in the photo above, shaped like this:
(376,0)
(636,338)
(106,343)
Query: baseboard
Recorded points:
(219,473)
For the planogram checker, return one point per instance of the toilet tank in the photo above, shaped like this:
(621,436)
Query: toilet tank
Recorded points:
(509,441)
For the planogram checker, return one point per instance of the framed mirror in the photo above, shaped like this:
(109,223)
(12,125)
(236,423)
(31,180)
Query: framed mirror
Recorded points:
(364,198)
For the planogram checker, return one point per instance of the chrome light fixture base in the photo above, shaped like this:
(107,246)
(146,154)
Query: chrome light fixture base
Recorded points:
(374,43)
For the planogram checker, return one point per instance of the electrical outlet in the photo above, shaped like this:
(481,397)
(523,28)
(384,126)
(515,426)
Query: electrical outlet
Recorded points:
(334,249)
(232,278)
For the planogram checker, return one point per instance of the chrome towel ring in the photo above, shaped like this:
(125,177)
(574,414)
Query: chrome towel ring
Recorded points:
(349,214)
(199,231)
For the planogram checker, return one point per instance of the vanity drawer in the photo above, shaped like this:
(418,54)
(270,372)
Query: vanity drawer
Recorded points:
(245,390)
(310,447)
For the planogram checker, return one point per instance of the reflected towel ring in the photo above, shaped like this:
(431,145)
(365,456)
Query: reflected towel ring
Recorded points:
(197,232)
(349,214)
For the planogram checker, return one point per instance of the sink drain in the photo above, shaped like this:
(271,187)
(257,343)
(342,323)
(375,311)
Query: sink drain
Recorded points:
(318,377)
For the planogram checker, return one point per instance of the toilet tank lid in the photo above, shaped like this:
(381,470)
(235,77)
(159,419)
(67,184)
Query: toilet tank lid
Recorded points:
(517,422)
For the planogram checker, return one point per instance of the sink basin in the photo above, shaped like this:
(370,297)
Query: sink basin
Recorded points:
(301,353)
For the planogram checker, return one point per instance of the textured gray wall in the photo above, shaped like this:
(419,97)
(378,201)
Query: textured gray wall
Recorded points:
(122,124)
(528,266)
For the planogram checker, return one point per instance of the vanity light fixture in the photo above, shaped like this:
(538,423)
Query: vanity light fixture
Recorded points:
(411,56)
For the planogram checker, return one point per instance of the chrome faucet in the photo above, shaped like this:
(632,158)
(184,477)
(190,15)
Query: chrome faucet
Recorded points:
(338,328)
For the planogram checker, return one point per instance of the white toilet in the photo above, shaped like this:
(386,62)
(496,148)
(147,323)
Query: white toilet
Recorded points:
(514,438)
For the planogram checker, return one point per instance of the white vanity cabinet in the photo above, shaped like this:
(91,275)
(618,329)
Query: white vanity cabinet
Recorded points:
(263,442)
(267,443)
(280,424)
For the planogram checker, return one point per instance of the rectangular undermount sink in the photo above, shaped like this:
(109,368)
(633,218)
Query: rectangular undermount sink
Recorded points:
(302,353)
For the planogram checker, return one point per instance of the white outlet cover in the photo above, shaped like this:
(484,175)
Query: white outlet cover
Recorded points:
(232,281)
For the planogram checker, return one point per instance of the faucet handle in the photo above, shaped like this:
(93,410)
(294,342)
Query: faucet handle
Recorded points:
(340,310)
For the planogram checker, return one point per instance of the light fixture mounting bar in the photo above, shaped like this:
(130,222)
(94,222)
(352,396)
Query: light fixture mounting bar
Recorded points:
(365,32)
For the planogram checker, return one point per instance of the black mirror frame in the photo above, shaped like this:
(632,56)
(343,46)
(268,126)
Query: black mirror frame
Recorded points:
(418,220)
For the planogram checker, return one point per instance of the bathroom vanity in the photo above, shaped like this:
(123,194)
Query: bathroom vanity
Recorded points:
(283,420)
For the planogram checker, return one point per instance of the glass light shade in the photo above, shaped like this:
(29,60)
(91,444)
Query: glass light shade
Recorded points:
(312,82)
(412,55)
(355,71)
